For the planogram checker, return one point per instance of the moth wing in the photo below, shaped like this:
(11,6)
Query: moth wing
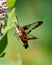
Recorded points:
(28,28)
(31,37)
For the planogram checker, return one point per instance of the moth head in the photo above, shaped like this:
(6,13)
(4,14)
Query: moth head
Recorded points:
(17,26)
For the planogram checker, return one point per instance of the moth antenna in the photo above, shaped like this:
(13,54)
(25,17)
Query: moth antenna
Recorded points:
(16,17)
(17,21)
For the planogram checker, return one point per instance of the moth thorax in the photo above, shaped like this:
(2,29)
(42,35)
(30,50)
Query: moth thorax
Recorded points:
(21,29)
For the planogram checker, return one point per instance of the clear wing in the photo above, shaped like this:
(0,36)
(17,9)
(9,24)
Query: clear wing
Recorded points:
(28,28)
(31,37)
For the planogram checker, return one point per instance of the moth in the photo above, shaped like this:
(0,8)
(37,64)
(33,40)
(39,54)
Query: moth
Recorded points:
(24,32)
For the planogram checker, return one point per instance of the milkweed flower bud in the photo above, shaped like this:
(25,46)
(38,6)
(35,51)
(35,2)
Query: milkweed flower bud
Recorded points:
(3,9)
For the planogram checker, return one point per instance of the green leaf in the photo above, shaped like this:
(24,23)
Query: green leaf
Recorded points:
(10,3)
(3,44)
(3,54)
(3,38)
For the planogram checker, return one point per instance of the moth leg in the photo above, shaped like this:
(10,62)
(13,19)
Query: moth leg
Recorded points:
(15,34)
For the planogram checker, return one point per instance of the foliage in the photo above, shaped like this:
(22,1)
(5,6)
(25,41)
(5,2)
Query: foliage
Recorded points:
(10,18)
(11,3)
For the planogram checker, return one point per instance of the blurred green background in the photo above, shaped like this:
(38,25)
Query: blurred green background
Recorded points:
(40,50)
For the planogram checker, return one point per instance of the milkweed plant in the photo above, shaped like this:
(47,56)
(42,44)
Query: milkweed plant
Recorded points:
(6,19)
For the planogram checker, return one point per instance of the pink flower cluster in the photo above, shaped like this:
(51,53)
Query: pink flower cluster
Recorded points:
(3,9)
